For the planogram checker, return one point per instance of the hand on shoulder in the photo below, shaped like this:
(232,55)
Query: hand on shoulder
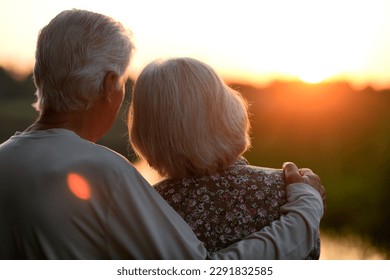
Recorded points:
(304,175)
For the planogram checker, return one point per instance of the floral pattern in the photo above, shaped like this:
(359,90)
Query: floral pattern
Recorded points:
(225,207)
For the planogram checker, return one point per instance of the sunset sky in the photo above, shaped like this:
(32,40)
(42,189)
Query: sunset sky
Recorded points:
(256,41)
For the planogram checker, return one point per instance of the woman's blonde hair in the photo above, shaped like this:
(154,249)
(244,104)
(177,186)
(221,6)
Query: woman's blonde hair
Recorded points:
(184,120)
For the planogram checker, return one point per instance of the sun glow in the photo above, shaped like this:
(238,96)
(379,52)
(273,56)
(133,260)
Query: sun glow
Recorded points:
(319,41)
(267,40)
(317,67)
(311,78)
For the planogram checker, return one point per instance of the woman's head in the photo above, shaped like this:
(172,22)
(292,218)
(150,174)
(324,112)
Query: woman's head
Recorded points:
(74,53)
(184,120)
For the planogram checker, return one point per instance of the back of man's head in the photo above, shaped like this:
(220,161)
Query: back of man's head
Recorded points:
(74,53)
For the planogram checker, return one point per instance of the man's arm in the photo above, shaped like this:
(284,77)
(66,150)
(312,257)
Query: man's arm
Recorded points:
(293,235)
(290,237)
(141,225)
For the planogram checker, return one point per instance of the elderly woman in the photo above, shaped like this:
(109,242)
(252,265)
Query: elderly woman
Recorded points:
(64,197)
(193,129)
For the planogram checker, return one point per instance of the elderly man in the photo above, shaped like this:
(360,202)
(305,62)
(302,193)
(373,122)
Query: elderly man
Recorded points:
(64,197)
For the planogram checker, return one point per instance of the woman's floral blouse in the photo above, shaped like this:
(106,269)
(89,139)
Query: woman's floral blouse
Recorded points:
(225,207)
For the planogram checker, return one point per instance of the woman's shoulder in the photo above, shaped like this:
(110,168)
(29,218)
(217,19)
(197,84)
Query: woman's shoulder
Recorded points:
(242,166)
(168,183)
(240,173)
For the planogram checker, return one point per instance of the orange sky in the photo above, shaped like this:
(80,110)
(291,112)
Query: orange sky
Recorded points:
(254,40)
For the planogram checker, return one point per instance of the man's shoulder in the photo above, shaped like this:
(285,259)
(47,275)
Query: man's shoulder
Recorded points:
(81,152)
(109,153)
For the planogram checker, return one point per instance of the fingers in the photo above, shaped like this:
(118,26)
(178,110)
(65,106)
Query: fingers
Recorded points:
(304,171)
(291,173)
(304,175)
(311,178)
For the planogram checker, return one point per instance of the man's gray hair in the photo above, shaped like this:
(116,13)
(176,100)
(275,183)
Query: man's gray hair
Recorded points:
(75,51)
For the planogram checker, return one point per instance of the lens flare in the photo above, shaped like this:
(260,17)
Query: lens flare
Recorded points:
(79,186)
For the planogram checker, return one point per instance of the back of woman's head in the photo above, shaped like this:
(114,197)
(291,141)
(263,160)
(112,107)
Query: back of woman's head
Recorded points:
(184,120)
(74,53)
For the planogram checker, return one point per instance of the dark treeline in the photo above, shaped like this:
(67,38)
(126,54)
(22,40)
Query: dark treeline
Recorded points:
(343,134)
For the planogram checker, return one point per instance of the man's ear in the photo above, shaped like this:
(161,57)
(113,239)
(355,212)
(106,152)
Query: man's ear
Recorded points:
(111,82)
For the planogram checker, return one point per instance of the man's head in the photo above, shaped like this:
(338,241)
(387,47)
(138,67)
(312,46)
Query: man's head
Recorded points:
(74,54)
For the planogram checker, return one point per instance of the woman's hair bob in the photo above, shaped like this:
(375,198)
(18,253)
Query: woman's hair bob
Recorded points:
(185,121)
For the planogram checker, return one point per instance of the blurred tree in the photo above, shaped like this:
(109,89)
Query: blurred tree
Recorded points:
(16,97)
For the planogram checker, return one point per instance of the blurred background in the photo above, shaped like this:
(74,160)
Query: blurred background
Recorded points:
(316,74)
